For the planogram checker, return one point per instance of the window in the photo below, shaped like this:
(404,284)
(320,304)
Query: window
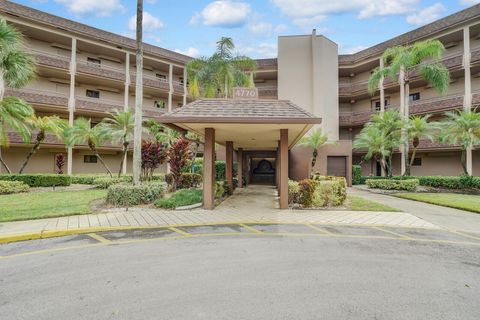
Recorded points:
(376,104)
(90,159)
(414,97)
(181,80)
(93,93)
(417,162)
(94,62)
(159,104)
(161,77)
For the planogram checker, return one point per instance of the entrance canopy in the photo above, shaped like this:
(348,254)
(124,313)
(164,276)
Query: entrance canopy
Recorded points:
(250,124)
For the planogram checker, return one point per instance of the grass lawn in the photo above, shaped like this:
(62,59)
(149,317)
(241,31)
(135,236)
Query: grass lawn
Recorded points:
(179,198)
(453,200)
(360,204)
(37,205)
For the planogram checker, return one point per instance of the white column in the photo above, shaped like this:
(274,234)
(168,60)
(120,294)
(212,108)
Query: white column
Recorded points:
(381,88)
(170,83)
(126,95)
(403,148)
(71,100)
(467,100)
(185,90)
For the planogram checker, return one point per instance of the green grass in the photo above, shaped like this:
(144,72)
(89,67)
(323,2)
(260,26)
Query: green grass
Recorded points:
(179,198)
(360,204)
(37,205)
(453,200)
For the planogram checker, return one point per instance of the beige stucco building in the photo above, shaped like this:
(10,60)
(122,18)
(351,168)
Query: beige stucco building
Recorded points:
(87,72)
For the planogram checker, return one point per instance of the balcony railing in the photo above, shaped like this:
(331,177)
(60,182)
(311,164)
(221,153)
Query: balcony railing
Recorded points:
(39,97)
(97,105)
(434,105)
(48,59)
(100,70)
(151,81)
(270,91)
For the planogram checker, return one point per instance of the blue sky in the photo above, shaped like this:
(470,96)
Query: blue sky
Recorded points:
(193,26)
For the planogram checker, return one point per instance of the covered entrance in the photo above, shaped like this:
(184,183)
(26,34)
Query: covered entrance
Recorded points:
(245,127)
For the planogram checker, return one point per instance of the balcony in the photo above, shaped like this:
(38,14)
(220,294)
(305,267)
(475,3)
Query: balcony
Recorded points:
(178,87)
(96,105)
(40,97)
(267,92)
(152,82)
(475,55)
(50,60)
(434,105)
(50,139)
(101,70)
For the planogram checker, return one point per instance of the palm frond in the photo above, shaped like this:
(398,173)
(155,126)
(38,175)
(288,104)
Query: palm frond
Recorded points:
(437,75)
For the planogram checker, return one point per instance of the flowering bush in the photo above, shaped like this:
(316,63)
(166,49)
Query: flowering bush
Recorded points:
(178,157)
(153,155)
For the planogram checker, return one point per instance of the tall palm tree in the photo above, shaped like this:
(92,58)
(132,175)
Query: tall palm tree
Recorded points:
(120,127)
(215,76)
(375,142)
(82,133)
(417,128)
(17,67)
(137,135)
(314,140)
(461,128)
(401,63)
(13,112)
(43,125)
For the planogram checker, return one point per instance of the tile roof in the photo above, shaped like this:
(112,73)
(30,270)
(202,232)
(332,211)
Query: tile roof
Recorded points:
(240,111)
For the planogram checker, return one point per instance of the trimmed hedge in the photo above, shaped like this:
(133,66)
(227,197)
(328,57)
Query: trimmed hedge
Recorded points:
(393,184)
(104,183)
(39,180)
(9,187)
(447,182)
(90,178)
(130,195)
(321,191)
(356,174)
(187,180)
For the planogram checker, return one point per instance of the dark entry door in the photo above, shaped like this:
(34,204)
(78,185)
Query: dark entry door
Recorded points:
(337,166)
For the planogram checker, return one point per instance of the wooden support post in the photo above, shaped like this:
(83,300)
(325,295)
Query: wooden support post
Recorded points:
(229,164)
(209,169)
(283,168)
(240,167)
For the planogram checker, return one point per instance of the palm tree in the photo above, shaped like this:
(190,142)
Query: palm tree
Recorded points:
(374,140)
(418,128)
(215,76)
(137,134)
(314,140)
(120,127)
(13,112)
(17,67)
(461,128)
(82,133)
(403,62)
(43,125)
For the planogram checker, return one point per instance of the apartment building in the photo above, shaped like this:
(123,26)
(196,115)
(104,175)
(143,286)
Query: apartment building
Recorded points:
(87,72)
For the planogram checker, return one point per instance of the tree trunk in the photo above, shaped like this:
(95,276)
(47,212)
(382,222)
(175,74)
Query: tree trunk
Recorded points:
(36,146)
(410,163)
(2,85)
(314,159)
(4,164)
(124,154)
(94,150)
(137,135)
(464,161)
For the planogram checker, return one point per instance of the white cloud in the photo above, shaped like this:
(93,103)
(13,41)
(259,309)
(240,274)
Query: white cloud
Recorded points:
(150,23)
(100,8)
(151,1)
(426,15)
(310,12)
(224,13)
(260,28)
(469,2)
(191,52)
(263,50)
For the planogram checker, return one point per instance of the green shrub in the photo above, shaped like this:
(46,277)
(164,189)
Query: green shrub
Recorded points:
(219,190)
(393,184)
(356,174)
(87,178)
(104,183)
(187,180)
(220,170)
(39,180)
(8,187)
(293,191)
(307,189)
(455,182)
(179,198)
(330,192)
(130,195)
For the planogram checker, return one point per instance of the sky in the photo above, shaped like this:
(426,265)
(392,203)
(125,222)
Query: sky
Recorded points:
(192,27)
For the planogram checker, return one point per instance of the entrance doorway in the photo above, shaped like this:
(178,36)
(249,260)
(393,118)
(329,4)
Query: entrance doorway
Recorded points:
(262,170)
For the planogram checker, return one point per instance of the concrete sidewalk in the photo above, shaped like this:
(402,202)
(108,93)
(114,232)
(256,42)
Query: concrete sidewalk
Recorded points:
(448,218)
